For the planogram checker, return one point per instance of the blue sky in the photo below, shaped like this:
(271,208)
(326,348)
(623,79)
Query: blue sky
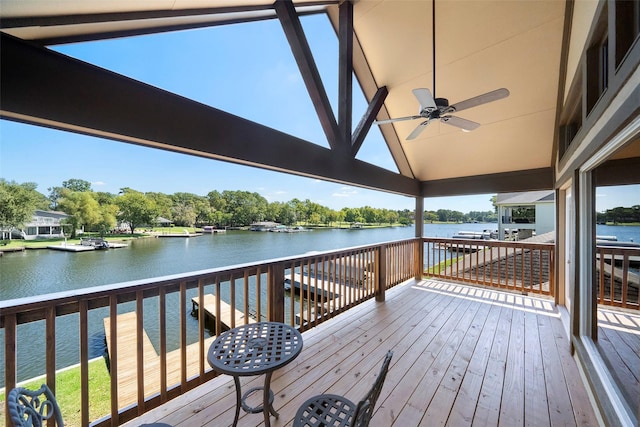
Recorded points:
(245,69)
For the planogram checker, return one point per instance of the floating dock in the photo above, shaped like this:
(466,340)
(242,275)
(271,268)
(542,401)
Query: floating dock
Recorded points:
(210,303)
(71,247)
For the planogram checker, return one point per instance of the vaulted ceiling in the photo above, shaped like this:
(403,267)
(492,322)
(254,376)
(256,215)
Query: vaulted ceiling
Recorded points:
(480,46)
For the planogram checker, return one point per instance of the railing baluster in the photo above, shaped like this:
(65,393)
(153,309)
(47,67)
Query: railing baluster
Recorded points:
(183,335)
(201,327)
(246,297)
(140,351)
(113,357)
(258,294)
(50,341)
(10,354)
(232,303)
(84,361)
(218,299)
(625,279)
(162,319)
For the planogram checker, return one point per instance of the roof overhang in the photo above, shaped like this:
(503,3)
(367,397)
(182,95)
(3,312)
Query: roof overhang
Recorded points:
(480,46)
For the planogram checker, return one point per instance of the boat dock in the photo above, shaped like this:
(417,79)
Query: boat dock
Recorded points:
(72,247)
(209,306)
(127,346)
(318,286)
(12,249)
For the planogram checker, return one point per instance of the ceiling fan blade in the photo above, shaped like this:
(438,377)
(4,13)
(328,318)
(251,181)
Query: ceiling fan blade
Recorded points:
(399,119)
(479,100)
(461,123)
(425,98)
(418,130)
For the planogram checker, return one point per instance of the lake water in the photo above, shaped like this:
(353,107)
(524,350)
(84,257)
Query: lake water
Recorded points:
(37,272)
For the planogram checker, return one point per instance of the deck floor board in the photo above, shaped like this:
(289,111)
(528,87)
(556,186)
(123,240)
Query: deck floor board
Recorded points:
(461,356)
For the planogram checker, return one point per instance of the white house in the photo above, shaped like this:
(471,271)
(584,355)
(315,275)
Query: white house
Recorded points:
(526,212)
(44,225)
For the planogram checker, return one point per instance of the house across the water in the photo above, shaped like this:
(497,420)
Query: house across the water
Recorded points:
(43,225)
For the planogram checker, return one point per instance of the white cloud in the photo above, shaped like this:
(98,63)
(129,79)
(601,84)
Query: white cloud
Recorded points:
(345,192)
(98,184)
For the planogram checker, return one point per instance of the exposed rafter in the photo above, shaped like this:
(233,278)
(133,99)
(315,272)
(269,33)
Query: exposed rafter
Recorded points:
(302,53)
(370,89)
(82,27)
(345,73)
(46,88)
(368,118)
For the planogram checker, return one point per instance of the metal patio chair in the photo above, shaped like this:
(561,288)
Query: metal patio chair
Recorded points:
(32,408)
(330,410)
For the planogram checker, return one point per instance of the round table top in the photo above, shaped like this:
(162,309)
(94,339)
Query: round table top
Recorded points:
(255,348)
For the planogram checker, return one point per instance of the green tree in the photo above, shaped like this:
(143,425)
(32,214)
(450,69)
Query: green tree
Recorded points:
(184,215)
(244,207)
(79,185)
(494,200)
(136,209)
(430,216)
(82,207)
(107,220)
(17,204)
(164,203)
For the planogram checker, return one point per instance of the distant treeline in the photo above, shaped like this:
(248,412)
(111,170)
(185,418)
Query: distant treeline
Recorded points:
(132,209)
(619,215)
(103,211)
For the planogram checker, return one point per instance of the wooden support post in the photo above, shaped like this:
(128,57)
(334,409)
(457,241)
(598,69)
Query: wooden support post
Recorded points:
(381,276)
(275,293)
(419,231)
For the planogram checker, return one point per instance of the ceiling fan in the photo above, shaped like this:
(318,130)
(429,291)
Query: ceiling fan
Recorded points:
(432,108)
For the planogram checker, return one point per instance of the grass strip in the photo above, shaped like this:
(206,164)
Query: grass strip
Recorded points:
(68,392)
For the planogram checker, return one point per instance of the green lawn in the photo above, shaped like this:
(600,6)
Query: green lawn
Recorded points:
(68,393)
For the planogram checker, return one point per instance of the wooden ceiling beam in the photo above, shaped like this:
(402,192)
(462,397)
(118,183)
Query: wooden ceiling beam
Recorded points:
(505,182)
(310,74)
(345,73)
(46,88)
(368,118)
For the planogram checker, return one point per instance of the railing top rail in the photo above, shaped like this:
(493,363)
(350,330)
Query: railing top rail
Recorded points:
(618,249)
(66,297)
(489,242)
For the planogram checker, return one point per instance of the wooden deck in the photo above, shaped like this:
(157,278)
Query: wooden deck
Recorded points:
(619,343)
(462,356)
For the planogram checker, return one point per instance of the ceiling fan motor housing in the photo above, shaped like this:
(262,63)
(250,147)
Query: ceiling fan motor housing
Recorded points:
(441,102)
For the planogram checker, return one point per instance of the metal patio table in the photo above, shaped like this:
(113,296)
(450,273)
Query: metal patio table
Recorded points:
(255,349)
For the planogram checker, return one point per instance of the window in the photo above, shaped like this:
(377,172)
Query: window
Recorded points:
(572,122)
(597,72)
(627,27)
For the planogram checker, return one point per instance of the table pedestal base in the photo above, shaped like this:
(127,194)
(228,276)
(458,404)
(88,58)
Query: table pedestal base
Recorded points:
(255,409)
(267,400)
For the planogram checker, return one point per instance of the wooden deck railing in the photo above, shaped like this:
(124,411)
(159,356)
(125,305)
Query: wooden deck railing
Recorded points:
(616,285)
(157,341)
(517,266)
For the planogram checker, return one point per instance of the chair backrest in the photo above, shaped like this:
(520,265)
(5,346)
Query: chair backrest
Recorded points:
(29,408)
(364,410)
